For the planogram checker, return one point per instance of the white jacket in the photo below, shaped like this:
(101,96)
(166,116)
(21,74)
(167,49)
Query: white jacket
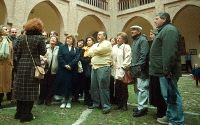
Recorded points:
(120,61)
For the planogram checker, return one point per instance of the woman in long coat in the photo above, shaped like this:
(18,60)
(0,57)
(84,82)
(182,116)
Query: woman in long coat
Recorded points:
(26,86)
(68,57)
(6,65)
(121,54)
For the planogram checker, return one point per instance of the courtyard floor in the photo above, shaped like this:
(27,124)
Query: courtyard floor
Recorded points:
(80,115)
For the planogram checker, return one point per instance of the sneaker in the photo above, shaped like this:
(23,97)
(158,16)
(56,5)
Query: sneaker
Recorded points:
(62,106)
(68,105)
(164,120)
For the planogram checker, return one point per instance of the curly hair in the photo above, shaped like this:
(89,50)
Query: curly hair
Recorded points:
(93,39)
(34,26)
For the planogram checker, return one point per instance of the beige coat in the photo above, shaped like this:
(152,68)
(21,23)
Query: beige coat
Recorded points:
(6,67)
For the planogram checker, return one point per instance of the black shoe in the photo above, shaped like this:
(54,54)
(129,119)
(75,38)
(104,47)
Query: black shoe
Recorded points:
(27,118)
(17,115)
(140,113)
(135,110)
(106,110)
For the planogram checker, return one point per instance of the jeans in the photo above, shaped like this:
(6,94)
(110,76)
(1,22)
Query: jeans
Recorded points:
(174,110)
(142,92)
(100,83)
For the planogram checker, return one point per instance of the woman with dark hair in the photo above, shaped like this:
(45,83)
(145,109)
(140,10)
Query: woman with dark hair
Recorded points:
(26,86)
(51,61)
(68,57)
(86,62)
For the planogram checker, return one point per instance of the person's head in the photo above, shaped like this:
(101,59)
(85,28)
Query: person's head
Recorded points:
(101,36)
(70,40)
(80,43)
(13,32)
(122,37)
(152,34)
(53,33)
(3,30)
(90,41)
(45,34)
(34,26)
(113,41)
(135,30)
(53,40)
(161,19)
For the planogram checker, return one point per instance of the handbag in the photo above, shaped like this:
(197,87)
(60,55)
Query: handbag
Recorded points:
(39,71)
(128,77)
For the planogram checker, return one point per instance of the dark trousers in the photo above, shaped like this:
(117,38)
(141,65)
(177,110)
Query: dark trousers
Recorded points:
(47,87)
(112,91)
(86,91)
(121,93)
(188,66)
(24,110)
(155,97)
(1,98)
(77,81)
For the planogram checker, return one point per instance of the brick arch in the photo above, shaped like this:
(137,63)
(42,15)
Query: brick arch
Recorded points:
(173,17)
(54,7)
(91,31)
(138,20)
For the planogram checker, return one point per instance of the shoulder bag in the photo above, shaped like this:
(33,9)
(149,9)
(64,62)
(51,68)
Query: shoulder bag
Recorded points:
(39,71)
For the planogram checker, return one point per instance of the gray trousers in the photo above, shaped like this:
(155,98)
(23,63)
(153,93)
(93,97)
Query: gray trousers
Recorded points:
(142,91)
(100,83)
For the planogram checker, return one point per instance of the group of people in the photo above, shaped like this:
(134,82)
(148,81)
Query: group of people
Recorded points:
(95,69)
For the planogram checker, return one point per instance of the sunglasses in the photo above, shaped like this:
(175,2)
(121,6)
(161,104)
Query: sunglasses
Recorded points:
(14,32)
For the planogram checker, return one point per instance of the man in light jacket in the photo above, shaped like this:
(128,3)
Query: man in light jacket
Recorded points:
(101,71)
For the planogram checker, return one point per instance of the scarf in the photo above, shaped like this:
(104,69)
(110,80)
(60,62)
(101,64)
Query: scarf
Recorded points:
(4,48)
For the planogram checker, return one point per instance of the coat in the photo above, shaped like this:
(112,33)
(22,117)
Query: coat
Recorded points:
(140,57)
(6,67)
(121,60)
(26,86)
(164,53)
(52,57)
(64,76)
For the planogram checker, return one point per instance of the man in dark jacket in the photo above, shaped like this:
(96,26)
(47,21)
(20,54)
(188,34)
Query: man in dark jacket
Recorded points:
(165,64)
(139,65)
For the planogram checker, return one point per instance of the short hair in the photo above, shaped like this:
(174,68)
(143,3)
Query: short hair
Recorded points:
(104,34)
(164,15)
(34,26)
(93,39)
(73,39)
(124,36)
(54,33)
